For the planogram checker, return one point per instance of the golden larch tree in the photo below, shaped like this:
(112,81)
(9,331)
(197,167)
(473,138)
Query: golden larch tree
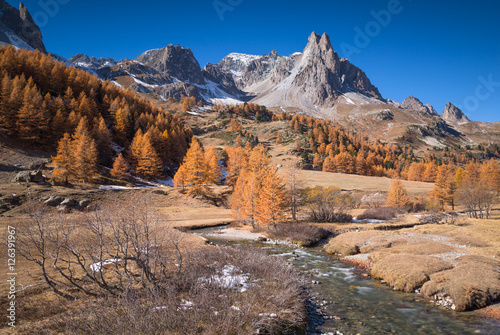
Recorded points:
(237,161)
(397,195)
(214,172)
(149,164)
(121,169)
(444,187)
(195,168)
(62,161)
(272,201)
(85,154)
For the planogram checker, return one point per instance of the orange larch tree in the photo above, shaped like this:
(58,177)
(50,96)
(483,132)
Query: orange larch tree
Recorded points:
(62,161)
(214,172)
(397,195)
(195,169)
(85,154)
(149,164)
(445,186)
(121,169)
(272,200)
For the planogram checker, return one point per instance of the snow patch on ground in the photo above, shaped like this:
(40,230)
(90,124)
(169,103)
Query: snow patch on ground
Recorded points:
(230,277)
(372,221)
(117,148)
(96,267)
(215,94)
(185,305)
(166,182)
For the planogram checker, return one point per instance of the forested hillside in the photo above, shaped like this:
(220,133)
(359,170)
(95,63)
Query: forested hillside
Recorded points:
(47,104)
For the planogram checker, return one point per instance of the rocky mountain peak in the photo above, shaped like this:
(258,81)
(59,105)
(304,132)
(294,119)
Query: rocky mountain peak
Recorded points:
(274,54)
(453,114)
(414,104)
(92,63)
(17,27)
(314,38)
(325,41)
(411,103)
(176,61)
(24,14)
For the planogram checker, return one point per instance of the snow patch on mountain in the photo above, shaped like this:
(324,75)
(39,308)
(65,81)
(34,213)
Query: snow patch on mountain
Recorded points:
(213,92)
(18,42)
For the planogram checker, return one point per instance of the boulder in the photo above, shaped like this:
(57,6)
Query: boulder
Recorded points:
(69,202)
(22,177)
(27,177)
(84,203)
(53,201)
(37,177)
(64,208)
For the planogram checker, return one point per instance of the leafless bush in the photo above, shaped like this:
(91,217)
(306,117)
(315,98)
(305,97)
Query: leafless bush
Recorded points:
(381,213)
(328,204)
(301,233)
(200,302)
(101,252)
(373,200)
(126,267)
(477,198)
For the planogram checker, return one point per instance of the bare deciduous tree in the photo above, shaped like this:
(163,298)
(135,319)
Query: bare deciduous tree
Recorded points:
(477,198)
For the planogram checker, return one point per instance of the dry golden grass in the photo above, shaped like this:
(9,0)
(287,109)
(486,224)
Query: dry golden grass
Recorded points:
(407,272)
(360,183)
(418,248)
(481,235)
(474,283)
(351,243)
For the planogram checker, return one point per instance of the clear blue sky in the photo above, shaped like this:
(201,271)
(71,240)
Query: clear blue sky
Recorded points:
(438,51)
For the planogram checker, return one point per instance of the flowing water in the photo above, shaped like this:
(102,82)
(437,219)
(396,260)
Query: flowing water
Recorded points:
(354,304)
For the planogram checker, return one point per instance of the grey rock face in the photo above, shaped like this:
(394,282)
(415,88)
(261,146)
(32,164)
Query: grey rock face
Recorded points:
(20,23)
(176,61)
(317,75)
(247,70)
(143,75)
(177,90)
(412,103)
(384,116)
(453,114)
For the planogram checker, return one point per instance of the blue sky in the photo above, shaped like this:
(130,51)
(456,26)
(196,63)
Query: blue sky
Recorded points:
(438,51)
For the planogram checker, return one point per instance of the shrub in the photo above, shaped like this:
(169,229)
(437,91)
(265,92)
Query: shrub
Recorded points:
(381,213)
(220,291)
(301,233)
(328,204)
(373,200)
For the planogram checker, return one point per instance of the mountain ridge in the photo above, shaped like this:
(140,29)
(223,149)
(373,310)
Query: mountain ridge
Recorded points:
(315,81)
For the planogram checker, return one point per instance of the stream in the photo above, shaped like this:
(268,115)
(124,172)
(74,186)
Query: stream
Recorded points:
(354,304)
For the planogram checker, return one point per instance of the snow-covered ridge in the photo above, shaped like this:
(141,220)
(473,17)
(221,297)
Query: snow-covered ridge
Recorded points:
(243,59)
